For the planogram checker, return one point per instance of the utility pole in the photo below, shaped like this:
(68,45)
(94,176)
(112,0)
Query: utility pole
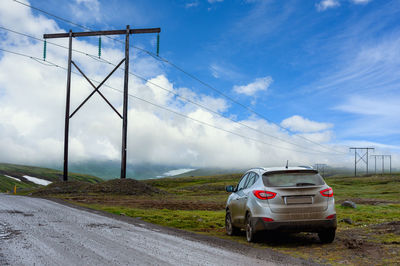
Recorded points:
(382,156)
(127,32)
(360,157)
(390,162)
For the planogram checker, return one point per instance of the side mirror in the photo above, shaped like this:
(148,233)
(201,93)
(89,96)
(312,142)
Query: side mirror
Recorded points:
(230,189)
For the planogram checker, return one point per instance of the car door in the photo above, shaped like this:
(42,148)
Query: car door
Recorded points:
(235,205)
(242,198)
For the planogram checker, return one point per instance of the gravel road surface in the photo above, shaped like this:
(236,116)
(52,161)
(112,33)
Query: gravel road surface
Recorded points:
(36,231)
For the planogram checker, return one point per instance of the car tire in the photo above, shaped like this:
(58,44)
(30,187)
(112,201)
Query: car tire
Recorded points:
(251,235)
(230,229)
(327,236)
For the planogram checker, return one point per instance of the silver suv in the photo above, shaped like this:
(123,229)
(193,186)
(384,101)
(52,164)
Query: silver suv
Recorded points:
(294,199)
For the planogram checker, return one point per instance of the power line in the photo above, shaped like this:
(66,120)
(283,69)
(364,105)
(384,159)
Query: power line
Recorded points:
(162,107)
(167,90)
(161,59)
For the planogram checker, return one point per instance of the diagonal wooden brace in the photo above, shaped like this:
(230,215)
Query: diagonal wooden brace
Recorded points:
(96,89)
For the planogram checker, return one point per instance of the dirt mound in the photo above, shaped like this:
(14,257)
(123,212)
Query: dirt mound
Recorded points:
(116,186)
(68,187)
(124,186)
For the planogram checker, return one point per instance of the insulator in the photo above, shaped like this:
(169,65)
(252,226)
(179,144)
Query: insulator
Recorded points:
(44,50)
(99,47)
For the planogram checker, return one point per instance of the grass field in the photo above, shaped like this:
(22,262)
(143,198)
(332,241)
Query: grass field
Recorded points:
(197,204)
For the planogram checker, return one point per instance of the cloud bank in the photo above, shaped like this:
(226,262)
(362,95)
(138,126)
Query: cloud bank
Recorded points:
(32,104)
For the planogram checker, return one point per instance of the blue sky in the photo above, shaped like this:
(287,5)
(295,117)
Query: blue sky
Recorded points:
(329,64)
(316,55)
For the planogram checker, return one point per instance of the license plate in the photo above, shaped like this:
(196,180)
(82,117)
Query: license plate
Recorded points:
(299,200)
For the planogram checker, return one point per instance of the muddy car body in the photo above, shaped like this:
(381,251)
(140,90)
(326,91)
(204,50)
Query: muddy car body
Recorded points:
(294,199)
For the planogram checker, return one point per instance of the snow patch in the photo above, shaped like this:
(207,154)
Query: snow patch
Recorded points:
(13,178)
(37,180)
(178,172)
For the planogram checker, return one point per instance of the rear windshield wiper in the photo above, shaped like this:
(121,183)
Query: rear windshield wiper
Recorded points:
(304,184)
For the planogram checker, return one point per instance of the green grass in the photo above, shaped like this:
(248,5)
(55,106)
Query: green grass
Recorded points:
(383,187)
(369,214)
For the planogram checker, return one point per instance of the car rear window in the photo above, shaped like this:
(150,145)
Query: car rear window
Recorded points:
(292,179)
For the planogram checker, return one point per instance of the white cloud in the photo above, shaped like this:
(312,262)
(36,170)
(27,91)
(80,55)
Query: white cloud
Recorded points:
(373,115)
(319,137)
(376,106)
(214,1)
(251,24)
(191,4)
(301,124)
(93,5)
(80,10)
(326,4)
(361,1)
(259,84)
(224,71)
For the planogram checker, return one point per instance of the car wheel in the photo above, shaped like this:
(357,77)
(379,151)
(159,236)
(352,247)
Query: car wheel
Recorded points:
(230,229)
(327,236)
(251,235)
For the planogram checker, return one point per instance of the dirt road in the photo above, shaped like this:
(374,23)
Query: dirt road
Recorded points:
(43,232)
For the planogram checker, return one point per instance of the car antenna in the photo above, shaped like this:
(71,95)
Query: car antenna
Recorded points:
(287,164)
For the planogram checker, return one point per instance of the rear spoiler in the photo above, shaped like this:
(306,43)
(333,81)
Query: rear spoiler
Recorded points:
(291,172)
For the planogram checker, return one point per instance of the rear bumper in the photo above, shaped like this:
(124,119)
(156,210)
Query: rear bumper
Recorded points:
(294,226)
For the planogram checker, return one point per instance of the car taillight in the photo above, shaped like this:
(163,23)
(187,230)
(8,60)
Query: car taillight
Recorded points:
(267,219)
(330,217)
(264,195)
(327,192)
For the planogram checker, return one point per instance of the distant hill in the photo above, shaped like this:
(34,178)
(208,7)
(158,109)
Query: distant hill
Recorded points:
(30,176)
(210,172)
(112,169)
(328,172)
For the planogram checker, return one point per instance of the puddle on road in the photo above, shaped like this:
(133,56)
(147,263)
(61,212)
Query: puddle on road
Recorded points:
(16,212)
(98,225)
(6,232)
